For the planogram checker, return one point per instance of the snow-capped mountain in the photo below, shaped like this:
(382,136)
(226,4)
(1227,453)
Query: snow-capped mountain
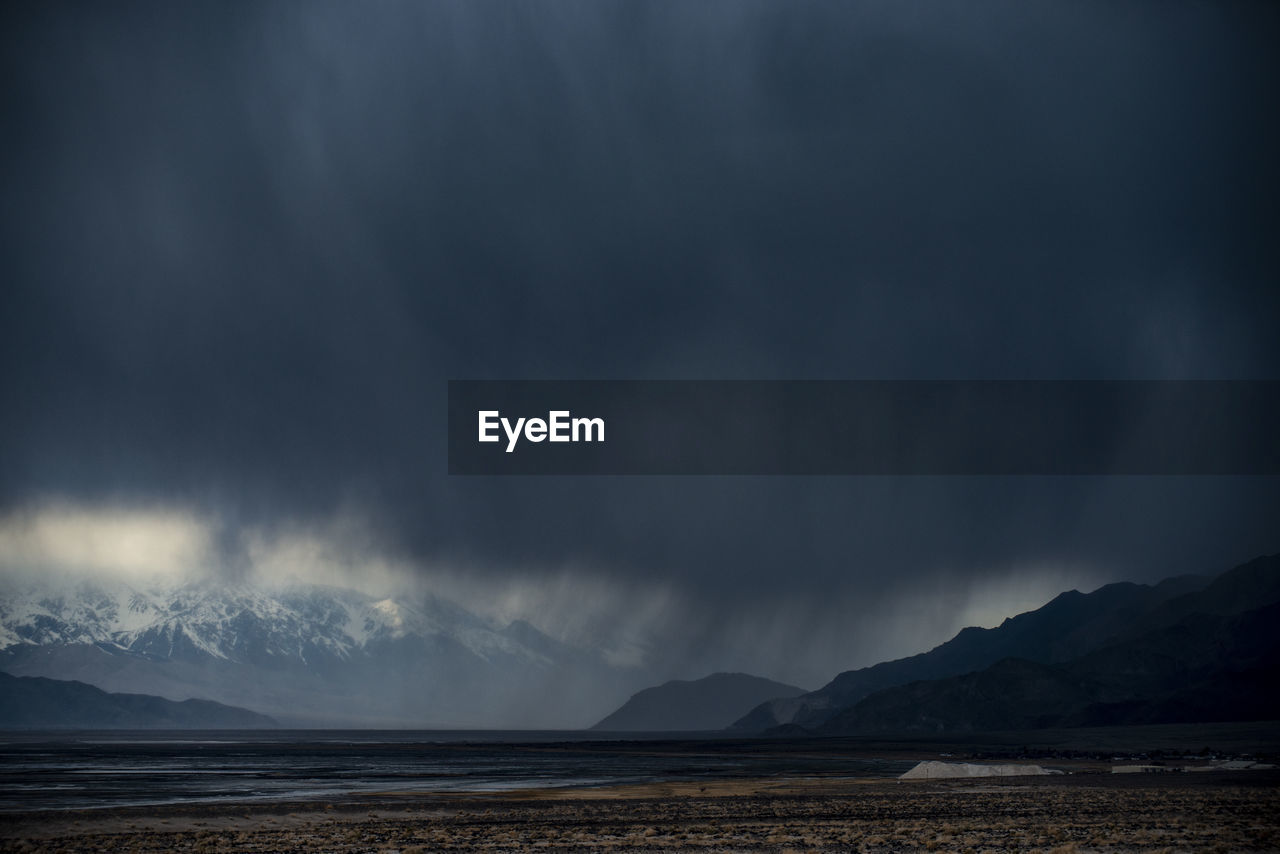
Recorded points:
(304,652)
(240,623)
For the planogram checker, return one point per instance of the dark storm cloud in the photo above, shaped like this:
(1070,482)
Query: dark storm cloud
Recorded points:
(245,246)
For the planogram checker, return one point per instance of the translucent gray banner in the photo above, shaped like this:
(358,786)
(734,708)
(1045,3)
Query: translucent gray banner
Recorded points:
(864,428)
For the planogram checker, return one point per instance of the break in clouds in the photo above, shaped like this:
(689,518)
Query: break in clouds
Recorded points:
(246,246)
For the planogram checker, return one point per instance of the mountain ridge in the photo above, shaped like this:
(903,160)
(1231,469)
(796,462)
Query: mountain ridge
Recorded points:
(1203,668)
(35,702)
(1070,625)
(710,703)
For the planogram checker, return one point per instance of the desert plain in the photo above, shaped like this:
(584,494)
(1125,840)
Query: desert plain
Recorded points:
(1089,810)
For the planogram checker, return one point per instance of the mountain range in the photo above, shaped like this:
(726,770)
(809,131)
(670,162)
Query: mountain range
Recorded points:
(1192,648)
(305,654)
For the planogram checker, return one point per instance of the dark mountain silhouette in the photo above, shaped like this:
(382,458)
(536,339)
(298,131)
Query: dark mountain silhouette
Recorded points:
(712,702)
(1072,625)
(33,702)
(1203,668)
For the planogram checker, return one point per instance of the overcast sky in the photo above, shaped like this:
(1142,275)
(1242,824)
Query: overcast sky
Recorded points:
(245,247)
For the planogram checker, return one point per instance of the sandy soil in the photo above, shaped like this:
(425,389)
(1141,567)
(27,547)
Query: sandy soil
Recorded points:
(1079,813)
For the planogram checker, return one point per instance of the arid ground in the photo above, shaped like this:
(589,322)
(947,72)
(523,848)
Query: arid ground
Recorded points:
(1089,810)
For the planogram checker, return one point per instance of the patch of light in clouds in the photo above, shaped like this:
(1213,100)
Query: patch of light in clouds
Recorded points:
(569,603)
(122,543)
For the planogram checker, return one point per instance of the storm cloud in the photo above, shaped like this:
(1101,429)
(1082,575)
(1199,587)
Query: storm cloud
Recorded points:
(245,247)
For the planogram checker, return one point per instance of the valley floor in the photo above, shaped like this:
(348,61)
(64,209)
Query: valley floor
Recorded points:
(1086,811)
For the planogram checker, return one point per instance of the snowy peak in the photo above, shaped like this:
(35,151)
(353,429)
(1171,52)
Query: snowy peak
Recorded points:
(305,654)
(242,623)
